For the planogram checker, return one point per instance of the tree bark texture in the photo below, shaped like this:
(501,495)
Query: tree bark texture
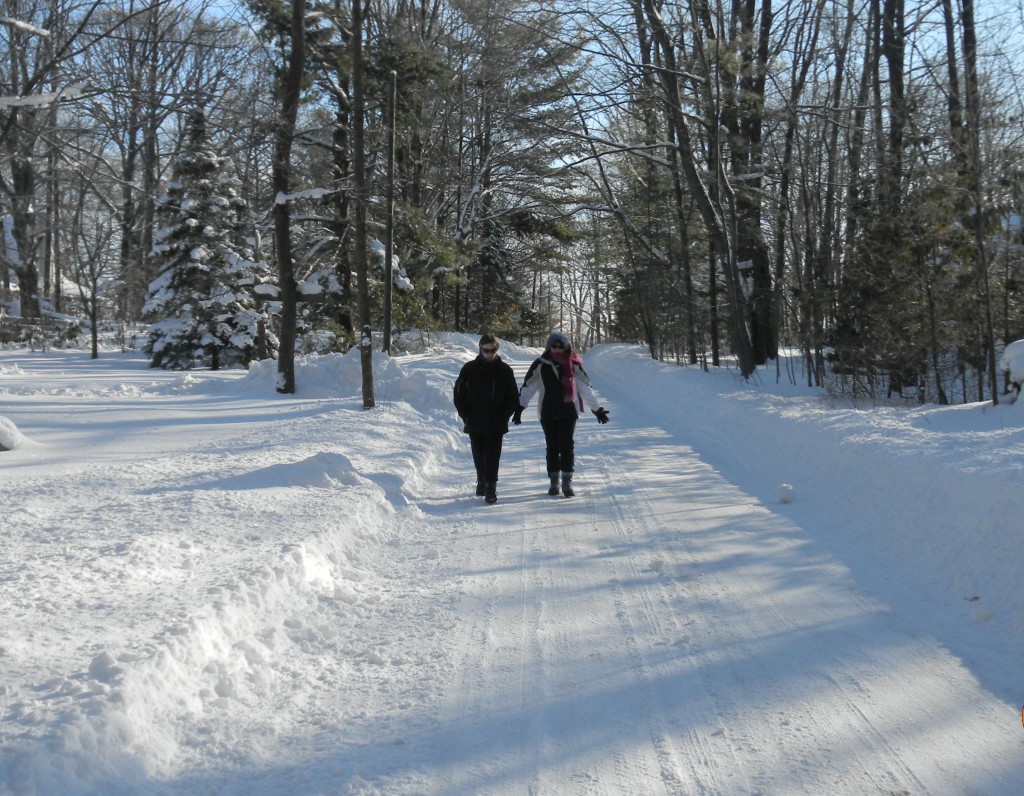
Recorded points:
(281,179)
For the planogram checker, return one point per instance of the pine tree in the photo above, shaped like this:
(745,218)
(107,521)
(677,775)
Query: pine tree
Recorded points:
(201,303)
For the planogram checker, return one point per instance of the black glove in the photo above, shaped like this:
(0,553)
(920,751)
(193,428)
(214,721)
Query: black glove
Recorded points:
(601,414)
(517,416)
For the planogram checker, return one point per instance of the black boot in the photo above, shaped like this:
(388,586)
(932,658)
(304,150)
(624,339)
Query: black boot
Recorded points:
(553,489)
(491,495)
(481,488)
(567,489)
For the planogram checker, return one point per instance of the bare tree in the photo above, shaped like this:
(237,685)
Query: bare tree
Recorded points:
(166,58)
(41,39)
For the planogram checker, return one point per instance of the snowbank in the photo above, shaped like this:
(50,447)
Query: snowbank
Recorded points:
(211,587)
(10,437)
(921,503)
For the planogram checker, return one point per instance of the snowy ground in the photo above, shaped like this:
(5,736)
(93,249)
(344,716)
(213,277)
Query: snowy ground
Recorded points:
(211,588)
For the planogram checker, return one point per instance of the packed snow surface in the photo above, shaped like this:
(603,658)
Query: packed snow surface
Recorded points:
(211,588)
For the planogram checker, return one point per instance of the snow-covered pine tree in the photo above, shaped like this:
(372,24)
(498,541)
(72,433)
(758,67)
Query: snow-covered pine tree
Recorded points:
(201,305)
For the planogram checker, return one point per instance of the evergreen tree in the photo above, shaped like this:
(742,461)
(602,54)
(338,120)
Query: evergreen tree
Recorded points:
(201,303)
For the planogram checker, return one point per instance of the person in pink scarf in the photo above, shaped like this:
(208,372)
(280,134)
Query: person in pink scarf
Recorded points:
(564,387)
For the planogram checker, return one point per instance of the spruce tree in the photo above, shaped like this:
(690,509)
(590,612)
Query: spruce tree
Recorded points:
(201,302)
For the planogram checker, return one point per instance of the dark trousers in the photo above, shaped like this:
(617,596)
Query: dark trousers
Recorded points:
(486,455)
(558,439)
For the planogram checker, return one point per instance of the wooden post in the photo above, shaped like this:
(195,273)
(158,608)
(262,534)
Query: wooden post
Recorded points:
(389,222)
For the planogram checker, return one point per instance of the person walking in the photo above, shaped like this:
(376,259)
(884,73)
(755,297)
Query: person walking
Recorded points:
(563,385)
(486,396)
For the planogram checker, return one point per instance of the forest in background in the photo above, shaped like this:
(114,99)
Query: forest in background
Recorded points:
(714,180)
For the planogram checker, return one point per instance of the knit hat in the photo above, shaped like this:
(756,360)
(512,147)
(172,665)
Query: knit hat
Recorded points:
(557,337)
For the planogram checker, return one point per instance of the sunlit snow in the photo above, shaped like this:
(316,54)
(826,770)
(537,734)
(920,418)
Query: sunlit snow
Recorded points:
(209,587)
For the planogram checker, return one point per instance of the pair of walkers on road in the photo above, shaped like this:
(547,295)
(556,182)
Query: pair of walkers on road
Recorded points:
(487,399)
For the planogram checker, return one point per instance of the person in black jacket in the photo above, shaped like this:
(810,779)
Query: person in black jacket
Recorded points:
(485,398)
(564,387)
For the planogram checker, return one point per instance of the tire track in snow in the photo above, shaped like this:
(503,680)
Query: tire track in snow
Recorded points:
(814,687)
(652,627)
(583,713)
(730,688)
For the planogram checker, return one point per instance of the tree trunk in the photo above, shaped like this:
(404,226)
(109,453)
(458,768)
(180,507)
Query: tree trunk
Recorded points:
(342,220)
(743,115)
(281,180)
(954,104)
(977,190)
(893,46)
(712,209)
(361,198)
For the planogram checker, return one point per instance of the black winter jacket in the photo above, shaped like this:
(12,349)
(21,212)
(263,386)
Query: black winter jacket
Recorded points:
(486,395)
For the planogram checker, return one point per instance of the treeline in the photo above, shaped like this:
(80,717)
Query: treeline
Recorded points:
(716,181)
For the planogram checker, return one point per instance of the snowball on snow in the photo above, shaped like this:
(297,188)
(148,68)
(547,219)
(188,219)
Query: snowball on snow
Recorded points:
(786,493)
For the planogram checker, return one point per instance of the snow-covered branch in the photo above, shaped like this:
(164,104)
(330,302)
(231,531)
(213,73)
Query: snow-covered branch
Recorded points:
(311,193)
(42,100)
(25,26)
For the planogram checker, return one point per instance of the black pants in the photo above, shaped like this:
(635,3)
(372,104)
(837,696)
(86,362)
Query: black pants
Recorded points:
(486,455)
(558,439)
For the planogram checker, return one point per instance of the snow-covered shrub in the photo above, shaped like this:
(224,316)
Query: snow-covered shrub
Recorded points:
(1012,364)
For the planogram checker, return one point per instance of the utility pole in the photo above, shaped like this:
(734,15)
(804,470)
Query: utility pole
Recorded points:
(389,222)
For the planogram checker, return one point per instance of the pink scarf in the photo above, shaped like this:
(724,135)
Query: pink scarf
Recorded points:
(566,364)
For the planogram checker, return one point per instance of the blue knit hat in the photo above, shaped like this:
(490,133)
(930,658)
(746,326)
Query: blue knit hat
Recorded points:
(557,337)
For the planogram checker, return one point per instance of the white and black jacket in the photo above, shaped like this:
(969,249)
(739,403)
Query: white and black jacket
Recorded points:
(544,378)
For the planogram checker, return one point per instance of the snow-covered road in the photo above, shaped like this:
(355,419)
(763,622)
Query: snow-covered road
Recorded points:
(665,633)
(225,591)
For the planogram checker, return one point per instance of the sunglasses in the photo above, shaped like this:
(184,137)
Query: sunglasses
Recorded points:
(557,345)
(490,350)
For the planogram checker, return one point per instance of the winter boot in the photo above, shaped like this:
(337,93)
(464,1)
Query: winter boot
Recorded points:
(481,488)
(491,495)
(567,489)
(553,490)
